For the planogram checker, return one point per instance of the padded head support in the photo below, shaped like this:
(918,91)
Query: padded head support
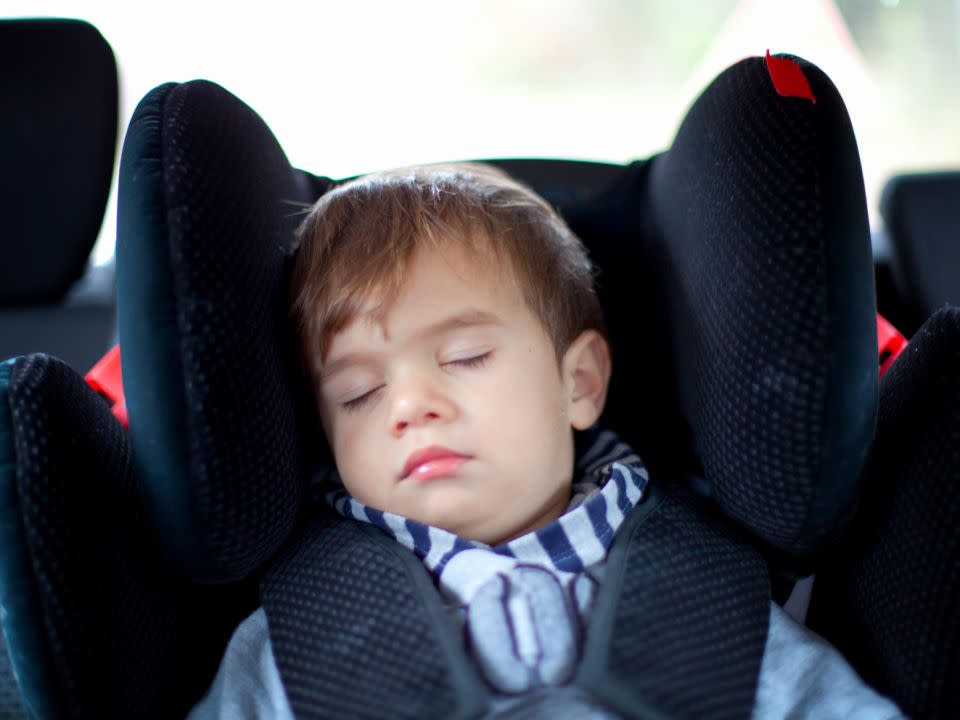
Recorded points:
(58,137)
(735,272)
(95,626)
(207,204)
(737,281)
(759,231)
(889,596)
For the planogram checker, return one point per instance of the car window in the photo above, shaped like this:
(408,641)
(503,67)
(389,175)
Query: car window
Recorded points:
(351,87)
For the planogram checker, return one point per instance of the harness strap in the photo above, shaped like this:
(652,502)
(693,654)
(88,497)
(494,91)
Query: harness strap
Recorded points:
(358,629)
(680,624)
(679,629)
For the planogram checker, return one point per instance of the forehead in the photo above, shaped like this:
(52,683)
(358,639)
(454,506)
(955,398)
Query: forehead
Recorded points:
(443,289)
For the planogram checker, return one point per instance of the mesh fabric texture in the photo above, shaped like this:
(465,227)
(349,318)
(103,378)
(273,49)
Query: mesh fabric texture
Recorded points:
(353,630)
(359,631)
(766,343)
(687,625)
(760,234)
(766,347)
(889,596)
(118,636)
(208,203)
(11,706)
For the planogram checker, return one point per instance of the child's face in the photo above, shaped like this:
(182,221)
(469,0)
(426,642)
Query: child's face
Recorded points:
(462,365)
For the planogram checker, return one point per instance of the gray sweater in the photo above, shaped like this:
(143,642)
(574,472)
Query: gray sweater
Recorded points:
(801,677)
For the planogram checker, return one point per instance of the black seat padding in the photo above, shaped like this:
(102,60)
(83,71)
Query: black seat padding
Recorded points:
(922,214)
(97,625)
(709,357)
(898,569)
(736,278)
(58,136)
(739,297)
(208,203)
(739,292)
(343,586)
(58,130)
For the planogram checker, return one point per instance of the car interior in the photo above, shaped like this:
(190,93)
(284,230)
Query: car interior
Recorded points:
(744,299)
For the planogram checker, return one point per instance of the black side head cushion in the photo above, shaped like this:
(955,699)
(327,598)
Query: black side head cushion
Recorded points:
(889,596)
(760,228)
(737,281)
(206,209)
(94,625)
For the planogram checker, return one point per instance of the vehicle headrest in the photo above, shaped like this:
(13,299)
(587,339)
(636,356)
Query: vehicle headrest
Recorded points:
(922,216)
(735,272)
(58,139)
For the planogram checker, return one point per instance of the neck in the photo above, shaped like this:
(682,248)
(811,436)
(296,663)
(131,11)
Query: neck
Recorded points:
(554,508)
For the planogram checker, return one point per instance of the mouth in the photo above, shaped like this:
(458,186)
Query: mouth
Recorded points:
(433,461)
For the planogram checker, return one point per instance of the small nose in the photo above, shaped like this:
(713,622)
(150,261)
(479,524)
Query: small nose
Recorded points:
(417,403)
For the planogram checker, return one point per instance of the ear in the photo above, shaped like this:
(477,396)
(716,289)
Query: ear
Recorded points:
(586,374)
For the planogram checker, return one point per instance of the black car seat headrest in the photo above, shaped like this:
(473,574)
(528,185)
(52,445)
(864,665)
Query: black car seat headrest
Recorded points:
(58,138)
(922,215)
(734,269)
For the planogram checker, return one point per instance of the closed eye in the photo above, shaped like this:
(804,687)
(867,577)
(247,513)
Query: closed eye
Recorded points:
(359,402)
(471,362)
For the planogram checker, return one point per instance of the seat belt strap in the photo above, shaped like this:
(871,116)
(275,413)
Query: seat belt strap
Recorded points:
(680,623)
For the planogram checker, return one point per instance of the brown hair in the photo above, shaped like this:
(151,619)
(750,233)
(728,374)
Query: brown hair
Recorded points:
(358,239)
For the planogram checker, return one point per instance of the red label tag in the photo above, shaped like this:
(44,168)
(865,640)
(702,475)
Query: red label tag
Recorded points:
(106,379)
(890,342)
(788,78)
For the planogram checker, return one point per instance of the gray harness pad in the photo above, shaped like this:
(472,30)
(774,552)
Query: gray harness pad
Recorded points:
(679,627)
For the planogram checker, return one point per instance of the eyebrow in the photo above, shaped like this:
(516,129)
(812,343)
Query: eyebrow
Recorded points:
(468,318)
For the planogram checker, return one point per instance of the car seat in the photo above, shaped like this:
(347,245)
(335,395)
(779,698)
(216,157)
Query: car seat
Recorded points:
(923,224)
(898,568)
(58,134)
(736,277)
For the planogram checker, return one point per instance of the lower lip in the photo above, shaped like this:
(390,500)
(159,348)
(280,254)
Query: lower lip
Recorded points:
(437,468)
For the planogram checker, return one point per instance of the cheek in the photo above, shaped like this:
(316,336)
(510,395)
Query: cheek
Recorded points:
(527,397)
(348,443)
